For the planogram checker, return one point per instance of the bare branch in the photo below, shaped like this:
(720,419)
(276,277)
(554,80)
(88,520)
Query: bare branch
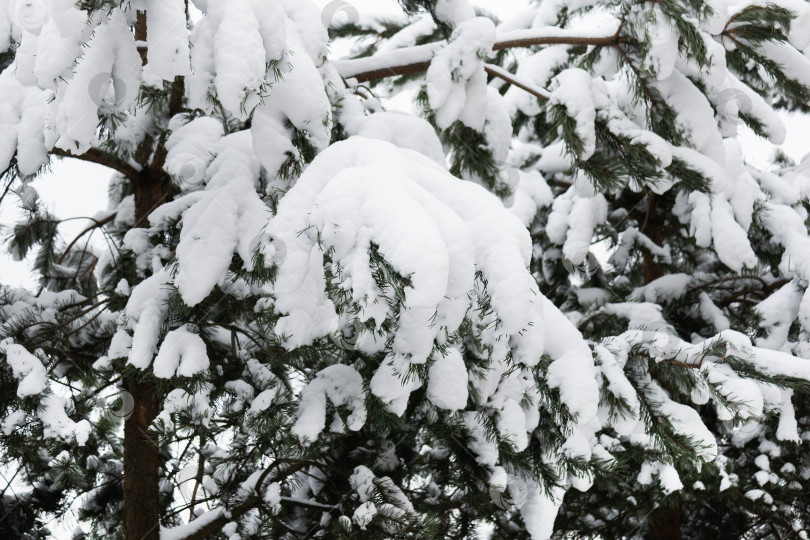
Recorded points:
(529,38)
(96,224)
(7,188)
(197,481)
(497,71)
(94,155)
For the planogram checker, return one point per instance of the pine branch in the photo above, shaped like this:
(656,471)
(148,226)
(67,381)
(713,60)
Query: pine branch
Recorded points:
(94,155)
(417,59)
(555,36)
(309,504)
(220,516)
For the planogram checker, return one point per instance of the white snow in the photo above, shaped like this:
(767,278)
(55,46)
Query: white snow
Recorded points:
(386,192)
(190,149)
(146,309)
(58,425)
(684,419)
(239,56)
(10,422)
(107,76)
(667,475)
(402,130)
(485,450)
(454,11)
(183,353)
(456,81)
(539,510)
(391,384)
(777,313)
(461,223)
(167,39)
(230,200)
(572,90)
(572,370)
(447,381)
(341,385)
(26,367)
(364,513)
(694,115)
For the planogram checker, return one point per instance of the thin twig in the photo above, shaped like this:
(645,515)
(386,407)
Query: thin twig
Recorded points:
(197,480)
(497,71)
(96,224)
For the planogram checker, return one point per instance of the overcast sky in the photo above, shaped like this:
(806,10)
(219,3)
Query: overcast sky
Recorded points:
(74,188)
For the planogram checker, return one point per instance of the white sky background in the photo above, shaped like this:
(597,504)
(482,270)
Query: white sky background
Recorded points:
(74,188)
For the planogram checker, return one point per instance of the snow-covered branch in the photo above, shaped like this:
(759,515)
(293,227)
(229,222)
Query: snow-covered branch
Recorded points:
(416,59)
(213,520)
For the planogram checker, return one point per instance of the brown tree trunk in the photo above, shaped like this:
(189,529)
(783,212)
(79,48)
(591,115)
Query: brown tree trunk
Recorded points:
(652,228)
(141,466)
(149,194)
(141,452)
(665,523)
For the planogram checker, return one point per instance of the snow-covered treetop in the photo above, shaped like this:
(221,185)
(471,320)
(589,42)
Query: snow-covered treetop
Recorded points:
(340,310)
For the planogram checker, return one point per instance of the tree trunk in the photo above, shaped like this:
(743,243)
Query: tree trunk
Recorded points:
(652,228)
(665,523)
(141,466)
(141,452)
(149,194)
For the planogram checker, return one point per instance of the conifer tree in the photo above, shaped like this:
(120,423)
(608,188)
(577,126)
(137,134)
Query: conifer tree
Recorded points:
(557,302)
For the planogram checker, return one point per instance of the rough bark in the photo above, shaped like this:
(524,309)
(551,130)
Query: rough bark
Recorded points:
(141,466)
(141,452)
(665,523)
(149,194)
